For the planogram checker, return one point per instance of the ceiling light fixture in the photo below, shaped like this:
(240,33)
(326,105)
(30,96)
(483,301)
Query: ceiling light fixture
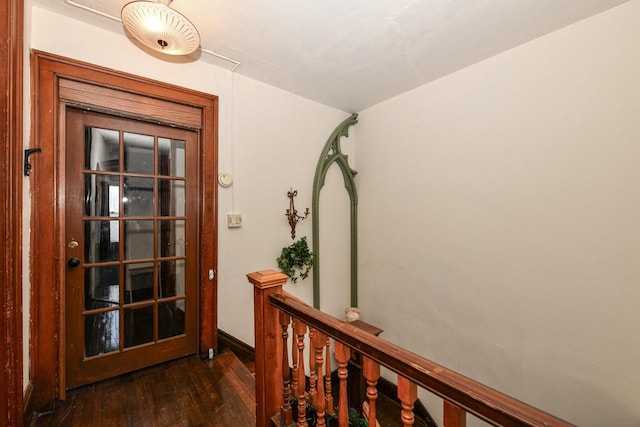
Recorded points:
(159,27)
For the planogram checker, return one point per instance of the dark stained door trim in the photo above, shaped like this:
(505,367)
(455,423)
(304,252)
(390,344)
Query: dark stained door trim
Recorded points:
(11,70)
(59,82)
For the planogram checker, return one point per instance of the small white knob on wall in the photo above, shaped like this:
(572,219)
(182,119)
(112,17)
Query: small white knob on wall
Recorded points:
(225,179)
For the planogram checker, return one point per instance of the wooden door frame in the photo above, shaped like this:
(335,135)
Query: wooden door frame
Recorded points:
(11,144)
(58,82)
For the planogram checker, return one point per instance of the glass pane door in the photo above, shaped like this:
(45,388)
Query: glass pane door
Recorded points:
(131,214)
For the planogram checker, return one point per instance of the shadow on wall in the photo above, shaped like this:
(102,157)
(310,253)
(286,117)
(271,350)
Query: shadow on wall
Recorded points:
(594,407)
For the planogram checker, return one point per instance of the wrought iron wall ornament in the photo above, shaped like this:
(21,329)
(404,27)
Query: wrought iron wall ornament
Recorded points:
(292,213)
(332,153)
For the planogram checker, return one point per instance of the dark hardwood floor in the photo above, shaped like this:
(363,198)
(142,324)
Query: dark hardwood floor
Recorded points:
(184,392)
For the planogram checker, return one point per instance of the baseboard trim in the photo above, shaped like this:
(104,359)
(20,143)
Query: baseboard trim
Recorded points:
(234,343)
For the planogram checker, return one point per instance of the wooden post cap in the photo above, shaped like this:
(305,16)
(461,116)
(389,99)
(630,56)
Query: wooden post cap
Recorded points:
(264,279)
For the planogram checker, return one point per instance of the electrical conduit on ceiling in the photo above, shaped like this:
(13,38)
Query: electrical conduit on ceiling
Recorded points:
(235,63)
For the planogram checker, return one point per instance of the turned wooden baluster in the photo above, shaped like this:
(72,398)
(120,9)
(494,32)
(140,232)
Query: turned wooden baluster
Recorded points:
(285,409)
(327,379)
(407,393)
(294,359)
(371,372)
(454,416)
(313,378)
(320,400)
(300,331)
(342,353)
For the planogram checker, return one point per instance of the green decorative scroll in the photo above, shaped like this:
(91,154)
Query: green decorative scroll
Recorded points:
(332,154)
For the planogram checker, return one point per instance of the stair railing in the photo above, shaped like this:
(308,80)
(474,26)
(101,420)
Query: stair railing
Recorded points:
(277,313)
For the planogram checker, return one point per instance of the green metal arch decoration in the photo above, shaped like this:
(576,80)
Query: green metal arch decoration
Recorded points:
(332,154)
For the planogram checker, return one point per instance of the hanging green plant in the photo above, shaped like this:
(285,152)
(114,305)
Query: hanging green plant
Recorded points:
(296,259)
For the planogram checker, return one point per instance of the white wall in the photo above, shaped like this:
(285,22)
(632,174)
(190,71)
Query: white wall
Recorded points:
(278,141)
(268,138)
(500,220)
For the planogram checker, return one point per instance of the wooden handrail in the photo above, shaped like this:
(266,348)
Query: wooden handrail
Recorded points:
(484,402)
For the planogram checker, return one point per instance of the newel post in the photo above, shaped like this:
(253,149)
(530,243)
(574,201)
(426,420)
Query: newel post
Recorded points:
(268,343)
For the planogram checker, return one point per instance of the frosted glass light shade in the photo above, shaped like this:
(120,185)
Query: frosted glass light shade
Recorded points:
(159,27)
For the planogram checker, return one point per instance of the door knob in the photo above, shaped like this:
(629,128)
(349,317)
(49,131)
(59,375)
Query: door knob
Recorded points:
(73,262)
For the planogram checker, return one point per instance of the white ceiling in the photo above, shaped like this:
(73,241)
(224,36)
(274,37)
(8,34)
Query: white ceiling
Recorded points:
(351,54)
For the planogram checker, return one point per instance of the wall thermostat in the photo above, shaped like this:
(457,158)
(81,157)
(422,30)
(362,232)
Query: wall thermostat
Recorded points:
(225,179)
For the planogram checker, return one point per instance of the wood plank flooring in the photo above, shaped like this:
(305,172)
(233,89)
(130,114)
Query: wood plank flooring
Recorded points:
(186,392)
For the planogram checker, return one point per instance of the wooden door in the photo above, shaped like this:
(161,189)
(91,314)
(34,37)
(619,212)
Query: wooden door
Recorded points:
(131,230)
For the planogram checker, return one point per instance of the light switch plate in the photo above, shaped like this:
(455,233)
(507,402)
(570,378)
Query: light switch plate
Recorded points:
(234,220)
